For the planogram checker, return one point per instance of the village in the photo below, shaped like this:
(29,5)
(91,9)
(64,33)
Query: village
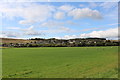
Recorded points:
(52,42)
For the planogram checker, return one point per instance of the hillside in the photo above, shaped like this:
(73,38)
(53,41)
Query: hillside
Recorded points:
(11,40)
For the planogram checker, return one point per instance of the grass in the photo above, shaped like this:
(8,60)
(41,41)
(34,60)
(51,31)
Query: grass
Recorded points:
(60,62)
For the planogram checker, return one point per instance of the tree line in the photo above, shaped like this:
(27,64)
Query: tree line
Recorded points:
(78,42)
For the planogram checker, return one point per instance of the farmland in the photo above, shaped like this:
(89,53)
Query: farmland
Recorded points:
(60,62)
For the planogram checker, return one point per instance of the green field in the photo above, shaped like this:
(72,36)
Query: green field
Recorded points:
(60,62)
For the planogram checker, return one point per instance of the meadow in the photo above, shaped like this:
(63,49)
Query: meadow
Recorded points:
(60,62)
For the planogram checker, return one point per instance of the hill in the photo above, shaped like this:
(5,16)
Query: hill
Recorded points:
(11,40)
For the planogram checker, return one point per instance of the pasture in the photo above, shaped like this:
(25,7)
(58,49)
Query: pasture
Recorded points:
(60,62)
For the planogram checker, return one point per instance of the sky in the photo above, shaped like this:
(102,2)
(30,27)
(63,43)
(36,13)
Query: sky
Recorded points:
(61,20)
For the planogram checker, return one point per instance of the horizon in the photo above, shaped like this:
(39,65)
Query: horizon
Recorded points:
(61,20)
(59,39)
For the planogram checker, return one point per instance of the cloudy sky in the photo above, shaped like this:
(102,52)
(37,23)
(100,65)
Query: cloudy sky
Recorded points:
(61,20)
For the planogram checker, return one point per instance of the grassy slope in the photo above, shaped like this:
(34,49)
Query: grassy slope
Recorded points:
(11,40)
(66,62)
